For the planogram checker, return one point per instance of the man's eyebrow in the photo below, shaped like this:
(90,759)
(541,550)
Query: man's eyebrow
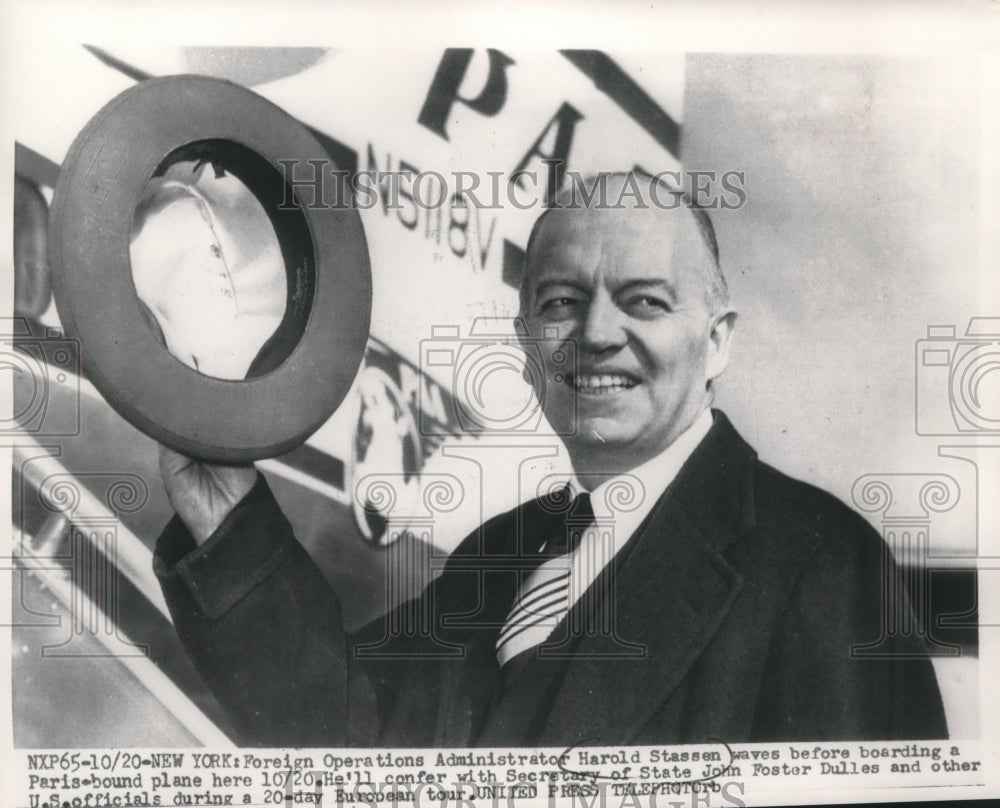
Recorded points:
(549,283)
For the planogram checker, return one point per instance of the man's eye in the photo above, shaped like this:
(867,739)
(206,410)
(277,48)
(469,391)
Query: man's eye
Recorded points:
(649,303)
(557,303)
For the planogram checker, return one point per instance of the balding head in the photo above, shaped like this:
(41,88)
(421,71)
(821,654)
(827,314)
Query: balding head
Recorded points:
(639,193)
(632,290)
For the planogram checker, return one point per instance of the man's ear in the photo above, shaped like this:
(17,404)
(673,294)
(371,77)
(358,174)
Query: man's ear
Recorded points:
(719,339)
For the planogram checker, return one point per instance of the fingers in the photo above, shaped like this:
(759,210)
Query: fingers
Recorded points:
(171,462)
(203,494)
(232,482)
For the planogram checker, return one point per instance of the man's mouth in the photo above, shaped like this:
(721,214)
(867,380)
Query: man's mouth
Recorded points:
(602,383)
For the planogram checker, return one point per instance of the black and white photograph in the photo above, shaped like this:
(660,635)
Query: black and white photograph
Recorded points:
(439,406)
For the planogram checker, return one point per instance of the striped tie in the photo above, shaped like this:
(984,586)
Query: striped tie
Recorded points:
(544,598)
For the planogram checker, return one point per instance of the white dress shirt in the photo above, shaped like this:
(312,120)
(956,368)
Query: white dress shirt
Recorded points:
(623,502)
(620,505)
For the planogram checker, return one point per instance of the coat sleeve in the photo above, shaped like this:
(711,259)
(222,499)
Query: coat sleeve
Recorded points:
(836,669)
(264,629)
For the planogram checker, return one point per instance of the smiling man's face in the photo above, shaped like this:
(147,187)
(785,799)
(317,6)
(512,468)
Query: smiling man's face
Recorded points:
(631,290)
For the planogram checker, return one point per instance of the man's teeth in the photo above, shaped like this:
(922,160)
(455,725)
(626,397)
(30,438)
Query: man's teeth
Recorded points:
(603,381)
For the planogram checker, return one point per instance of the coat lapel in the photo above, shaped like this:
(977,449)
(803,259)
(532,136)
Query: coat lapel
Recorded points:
(472,608)
(672,589)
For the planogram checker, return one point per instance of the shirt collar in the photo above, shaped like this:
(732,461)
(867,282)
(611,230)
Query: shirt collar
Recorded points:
(623,502)
(627,498)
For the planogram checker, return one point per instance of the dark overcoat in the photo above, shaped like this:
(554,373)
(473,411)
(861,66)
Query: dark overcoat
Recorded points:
(736,612)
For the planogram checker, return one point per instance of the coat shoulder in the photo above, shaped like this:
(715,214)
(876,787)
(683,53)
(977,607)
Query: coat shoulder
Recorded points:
(810,521)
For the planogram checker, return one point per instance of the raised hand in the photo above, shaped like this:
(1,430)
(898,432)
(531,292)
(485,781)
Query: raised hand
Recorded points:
(203,494)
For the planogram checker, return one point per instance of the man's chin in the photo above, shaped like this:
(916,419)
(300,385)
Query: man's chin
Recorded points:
(596,435)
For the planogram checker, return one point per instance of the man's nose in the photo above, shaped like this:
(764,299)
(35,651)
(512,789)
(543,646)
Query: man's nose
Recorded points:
(603,328)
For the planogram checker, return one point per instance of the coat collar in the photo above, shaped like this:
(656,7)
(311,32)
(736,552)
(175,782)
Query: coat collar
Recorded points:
(715,486)
(671,588)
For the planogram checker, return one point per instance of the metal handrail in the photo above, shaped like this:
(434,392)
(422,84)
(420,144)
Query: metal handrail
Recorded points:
(133,558)
(173,699)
